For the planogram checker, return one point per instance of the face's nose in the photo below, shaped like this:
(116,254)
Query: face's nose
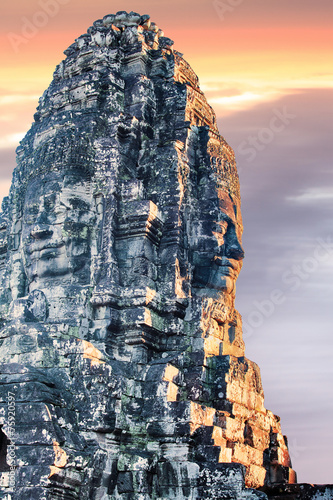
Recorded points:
(235,252)
(234,249)
(41,228)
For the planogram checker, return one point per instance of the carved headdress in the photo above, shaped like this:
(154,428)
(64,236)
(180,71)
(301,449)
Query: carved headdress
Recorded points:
(125,111)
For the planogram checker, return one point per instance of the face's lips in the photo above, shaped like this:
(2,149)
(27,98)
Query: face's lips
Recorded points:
(230,267)
(50,253)
(42,249)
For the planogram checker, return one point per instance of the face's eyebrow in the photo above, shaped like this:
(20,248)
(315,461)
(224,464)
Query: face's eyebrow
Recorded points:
(226,218)
(223,221)
(77,203)
(50,199)
(31,206)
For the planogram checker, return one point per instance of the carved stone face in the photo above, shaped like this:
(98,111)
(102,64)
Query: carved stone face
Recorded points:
(57,220)
(218,252)
(230,251)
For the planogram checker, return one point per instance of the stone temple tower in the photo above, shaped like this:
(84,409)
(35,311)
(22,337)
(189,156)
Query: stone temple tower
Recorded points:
(123,373)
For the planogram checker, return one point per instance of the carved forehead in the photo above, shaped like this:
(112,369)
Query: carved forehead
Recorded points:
(229,208)
(57,183)
(43,185)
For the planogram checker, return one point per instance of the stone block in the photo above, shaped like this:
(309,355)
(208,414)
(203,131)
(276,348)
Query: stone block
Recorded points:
(125,482)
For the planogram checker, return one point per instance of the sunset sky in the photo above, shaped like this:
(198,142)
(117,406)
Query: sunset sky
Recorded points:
(266,68)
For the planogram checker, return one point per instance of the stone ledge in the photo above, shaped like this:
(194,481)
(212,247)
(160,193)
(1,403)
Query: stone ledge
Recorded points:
(299,491)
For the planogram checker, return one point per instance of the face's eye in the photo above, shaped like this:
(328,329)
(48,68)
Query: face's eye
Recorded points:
(30,214)
(60,211)
(78,204)
(221,227)
(49,203)
(224,227)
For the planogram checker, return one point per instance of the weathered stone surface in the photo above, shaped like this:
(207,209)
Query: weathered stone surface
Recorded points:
(300,491)
(122,358)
